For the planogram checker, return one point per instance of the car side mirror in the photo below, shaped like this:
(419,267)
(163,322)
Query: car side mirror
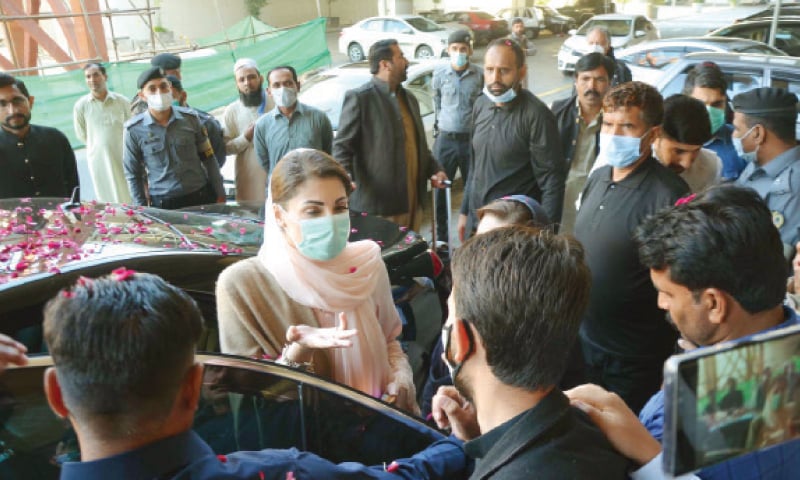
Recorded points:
(639,33)
(572,31)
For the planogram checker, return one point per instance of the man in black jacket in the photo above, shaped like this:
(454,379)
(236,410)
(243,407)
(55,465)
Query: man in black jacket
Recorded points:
(579,120)
(599,39)
(506,343)
(381,141)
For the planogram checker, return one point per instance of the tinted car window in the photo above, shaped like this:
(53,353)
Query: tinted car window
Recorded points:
(656,57)
(395,27)
(421,88)
(240,409)
(424,25)
(739,80)
(373,25)
(617,28)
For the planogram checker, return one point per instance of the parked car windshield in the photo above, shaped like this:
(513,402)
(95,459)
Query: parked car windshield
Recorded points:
(423,24)
(616,27)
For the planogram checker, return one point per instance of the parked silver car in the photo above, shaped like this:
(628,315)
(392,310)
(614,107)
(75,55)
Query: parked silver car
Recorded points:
(648,61)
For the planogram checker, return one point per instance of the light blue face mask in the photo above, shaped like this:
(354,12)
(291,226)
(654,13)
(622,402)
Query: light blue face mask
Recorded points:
(325,237)
(460,60)
(717,117)
(737,144)
(619,151)
(506,97)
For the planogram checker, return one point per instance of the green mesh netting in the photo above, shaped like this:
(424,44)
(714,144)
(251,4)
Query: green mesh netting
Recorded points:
(208,80)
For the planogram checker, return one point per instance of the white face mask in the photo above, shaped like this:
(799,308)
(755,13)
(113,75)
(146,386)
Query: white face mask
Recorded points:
(284,96)
(597,48)
(159,101)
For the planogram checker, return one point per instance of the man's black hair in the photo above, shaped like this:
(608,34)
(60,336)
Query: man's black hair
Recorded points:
(686,120)
(593,61)
(524,290)
(705,75)
(725,239)
(519,55)
(97,65)
(121,346)
(284,67)
(379,51)
(7,80)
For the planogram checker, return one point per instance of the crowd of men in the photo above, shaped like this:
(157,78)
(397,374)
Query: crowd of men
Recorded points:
(666,204)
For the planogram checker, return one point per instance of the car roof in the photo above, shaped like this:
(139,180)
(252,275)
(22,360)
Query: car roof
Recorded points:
(362,68)
(745,58)
(763,21)
(688,41)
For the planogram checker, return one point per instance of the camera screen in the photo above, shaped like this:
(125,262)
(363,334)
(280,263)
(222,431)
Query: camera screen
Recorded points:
(732,401)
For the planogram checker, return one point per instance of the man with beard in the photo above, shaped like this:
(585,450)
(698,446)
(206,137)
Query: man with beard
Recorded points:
(381,141)
(239,123)
(37,161)
(290,124)
(515,142)
(579,119)
(506,342)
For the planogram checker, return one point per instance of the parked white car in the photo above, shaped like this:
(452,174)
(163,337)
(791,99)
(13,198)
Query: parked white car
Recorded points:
(625,30)
(417,36)
(532,18)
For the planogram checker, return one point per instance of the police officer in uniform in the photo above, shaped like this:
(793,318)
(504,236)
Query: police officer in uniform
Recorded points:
(171,64)
(764,135)
(168,151)
(211,124)
(455,85)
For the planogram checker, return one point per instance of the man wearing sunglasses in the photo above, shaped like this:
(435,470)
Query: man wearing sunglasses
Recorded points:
(517,300)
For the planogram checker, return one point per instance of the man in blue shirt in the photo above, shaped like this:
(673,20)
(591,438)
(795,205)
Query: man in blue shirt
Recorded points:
(718,265)
(290,124)
(707,83)
(126,377)
(456,85)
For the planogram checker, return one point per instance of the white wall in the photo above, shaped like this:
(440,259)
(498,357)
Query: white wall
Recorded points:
(200,18)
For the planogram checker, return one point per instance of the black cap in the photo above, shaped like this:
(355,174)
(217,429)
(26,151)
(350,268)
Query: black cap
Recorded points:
(149,74)
(764,101)
(167,61)
(175,81)
(460,36)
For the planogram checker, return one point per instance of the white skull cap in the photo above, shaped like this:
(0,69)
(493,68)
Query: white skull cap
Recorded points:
(244,63)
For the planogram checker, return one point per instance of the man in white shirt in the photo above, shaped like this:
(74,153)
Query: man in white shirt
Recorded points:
(99,117)
(239,125)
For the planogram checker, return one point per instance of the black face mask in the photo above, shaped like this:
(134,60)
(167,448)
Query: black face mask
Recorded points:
(252,99)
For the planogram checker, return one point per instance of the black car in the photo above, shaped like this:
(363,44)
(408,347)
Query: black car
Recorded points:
(245,405)
(583,10)
(556,21)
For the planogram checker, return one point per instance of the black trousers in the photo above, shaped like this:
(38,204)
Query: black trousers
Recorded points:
(633,379)
(452,150)
(202,196)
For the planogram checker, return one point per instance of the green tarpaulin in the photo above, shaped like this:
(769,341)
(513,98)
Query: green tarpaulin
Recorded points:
(207,79)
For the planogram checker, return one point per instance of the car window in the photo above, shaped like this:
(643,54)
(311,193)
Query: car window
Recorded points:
(394,26)
(373,25)
(759,34)
(239,409)
(788,39)
(424,25)
(617,28)
(739,80)
(640,24)
(421,88)
(657,58)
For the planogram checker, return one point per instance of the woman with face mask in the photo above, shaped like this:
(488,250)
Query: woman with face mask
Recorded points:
(310,296)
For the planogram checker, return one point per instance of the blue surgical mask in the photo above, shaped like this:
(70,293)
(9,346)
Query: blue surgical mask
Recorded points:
(717,117)
(737,144)
(619,151)
(325,237)
(460,60)
(506,97)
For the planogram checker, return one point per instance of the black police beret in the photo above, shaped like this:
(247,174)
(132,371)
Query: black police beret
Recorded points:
(149,74)
(167,61)
(459,36)
(175,81)
(765,101)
